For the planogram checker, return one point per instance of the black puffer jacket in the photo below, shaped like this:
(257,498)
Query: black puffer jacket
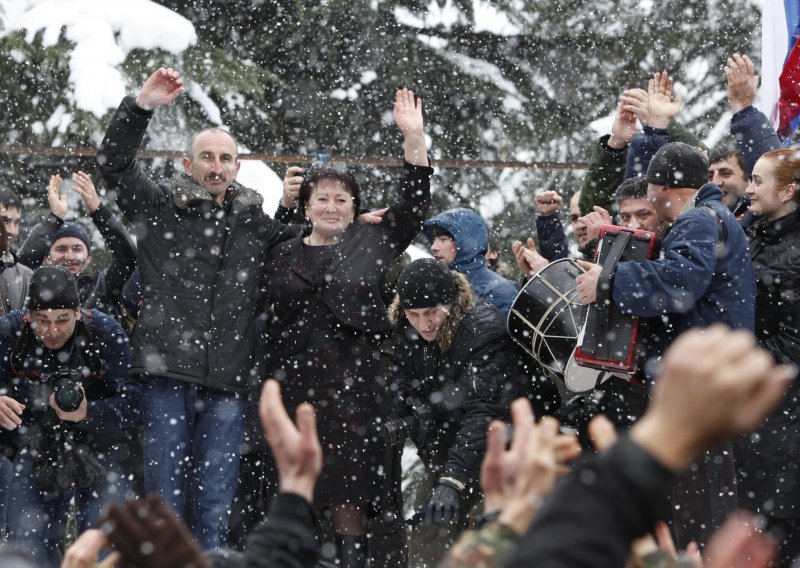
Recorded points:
(767,459)
(200,263)
(468,376)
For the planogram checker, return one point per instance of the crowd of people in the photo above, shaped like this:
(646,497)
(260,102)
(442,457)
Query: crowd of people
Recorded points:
(256,378)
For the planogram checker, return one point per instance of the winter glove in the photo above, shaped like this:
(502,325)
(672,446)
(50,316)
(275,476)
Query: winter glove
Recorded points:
(445,503)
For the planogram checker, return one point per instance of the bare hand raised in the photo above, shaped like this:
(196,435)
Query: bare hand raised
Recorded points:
(161,88)
(57,202)
(408,112)
(528,258)
(636,101)
(408,117)
(742,81)
(661,105)
(85,188)
(548,203)
(623,128)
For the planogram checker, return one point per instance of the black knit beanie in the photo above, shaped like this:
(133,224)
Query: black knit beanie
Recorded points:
(678,165)
(53,288)
(426,283)
(73,230)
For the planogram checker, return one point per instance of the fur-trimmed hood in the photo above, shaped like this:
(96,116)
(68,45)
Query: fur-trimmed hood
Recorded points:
(185,191)
(461,307)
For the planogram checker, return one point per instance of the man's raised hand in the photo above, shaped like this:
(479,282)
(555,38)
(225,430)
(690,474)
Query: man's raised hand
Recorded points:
(547,203)
(623,128)
(85,188)
(661,105)
(57,202)
(161,88)
(742,81)
(636,101)
(528,258)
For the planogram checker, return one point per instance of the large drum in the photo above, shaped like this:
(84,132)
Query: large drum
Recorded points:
(547,316)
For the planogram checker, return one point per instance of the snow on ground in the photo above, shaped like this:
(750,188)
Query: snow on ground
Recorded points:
(103,31)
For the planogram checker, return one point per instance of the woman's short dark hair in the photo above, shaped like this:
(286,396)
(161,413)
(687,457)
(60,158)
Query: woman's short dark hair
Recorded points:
(312,176)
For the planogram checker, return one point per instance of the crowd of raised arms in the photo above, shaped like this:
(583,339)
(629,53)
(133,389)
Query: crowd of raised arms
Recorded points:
(240,389)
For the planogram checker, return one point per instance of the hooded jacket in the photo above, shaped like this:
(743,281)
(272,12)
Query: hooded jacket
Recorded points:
(472,240)
(200,263)
(468,375)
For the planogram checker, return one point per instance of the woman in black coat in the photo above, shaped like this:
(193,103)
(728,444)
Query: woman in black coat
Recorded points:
(768,461)
(328,319)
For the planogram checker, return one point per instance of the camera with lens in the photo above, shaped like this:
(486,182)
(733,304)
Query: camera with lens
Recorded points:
(398,430)
(66,389)
(414,420)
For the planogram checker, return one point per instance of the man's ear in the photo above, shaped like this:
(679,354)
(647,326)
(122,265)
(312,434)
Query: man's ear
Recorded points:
(78,314)
(187,165)
(238,165)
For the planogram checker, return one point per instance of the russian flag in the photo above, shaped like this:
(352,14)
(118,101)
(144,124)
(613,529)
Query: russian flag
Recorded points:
(780,64)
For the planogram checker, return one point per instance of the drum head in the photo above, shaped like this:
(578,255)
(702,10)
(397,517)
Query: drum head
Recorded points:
(582,379)
(547,315)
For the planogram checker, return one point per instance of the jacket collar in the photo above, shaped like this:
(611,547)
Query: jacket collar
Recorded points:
(772,231)
(186,192)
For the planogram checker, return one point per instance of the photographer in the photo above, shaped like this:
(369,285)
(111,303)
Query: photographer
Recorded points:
(66,412)
(455,370)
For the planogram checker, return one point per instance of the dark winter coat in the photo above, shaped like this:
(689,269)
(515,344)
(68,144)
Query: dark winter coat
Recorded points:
(353,291)
(201,265)
(286,538)
(14,281)
(645,144)
(596,511)
(102,355)
(550,237)
(472,239)
(767,460)
(755,135)
(98,290)
(468,376)
(697,281)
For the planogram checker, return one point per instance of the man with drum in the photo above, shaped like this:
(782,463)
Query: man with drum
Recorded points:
(703,276)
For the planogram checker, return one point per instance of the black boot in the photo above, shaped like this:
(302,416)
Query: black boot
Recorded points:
(353,550)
